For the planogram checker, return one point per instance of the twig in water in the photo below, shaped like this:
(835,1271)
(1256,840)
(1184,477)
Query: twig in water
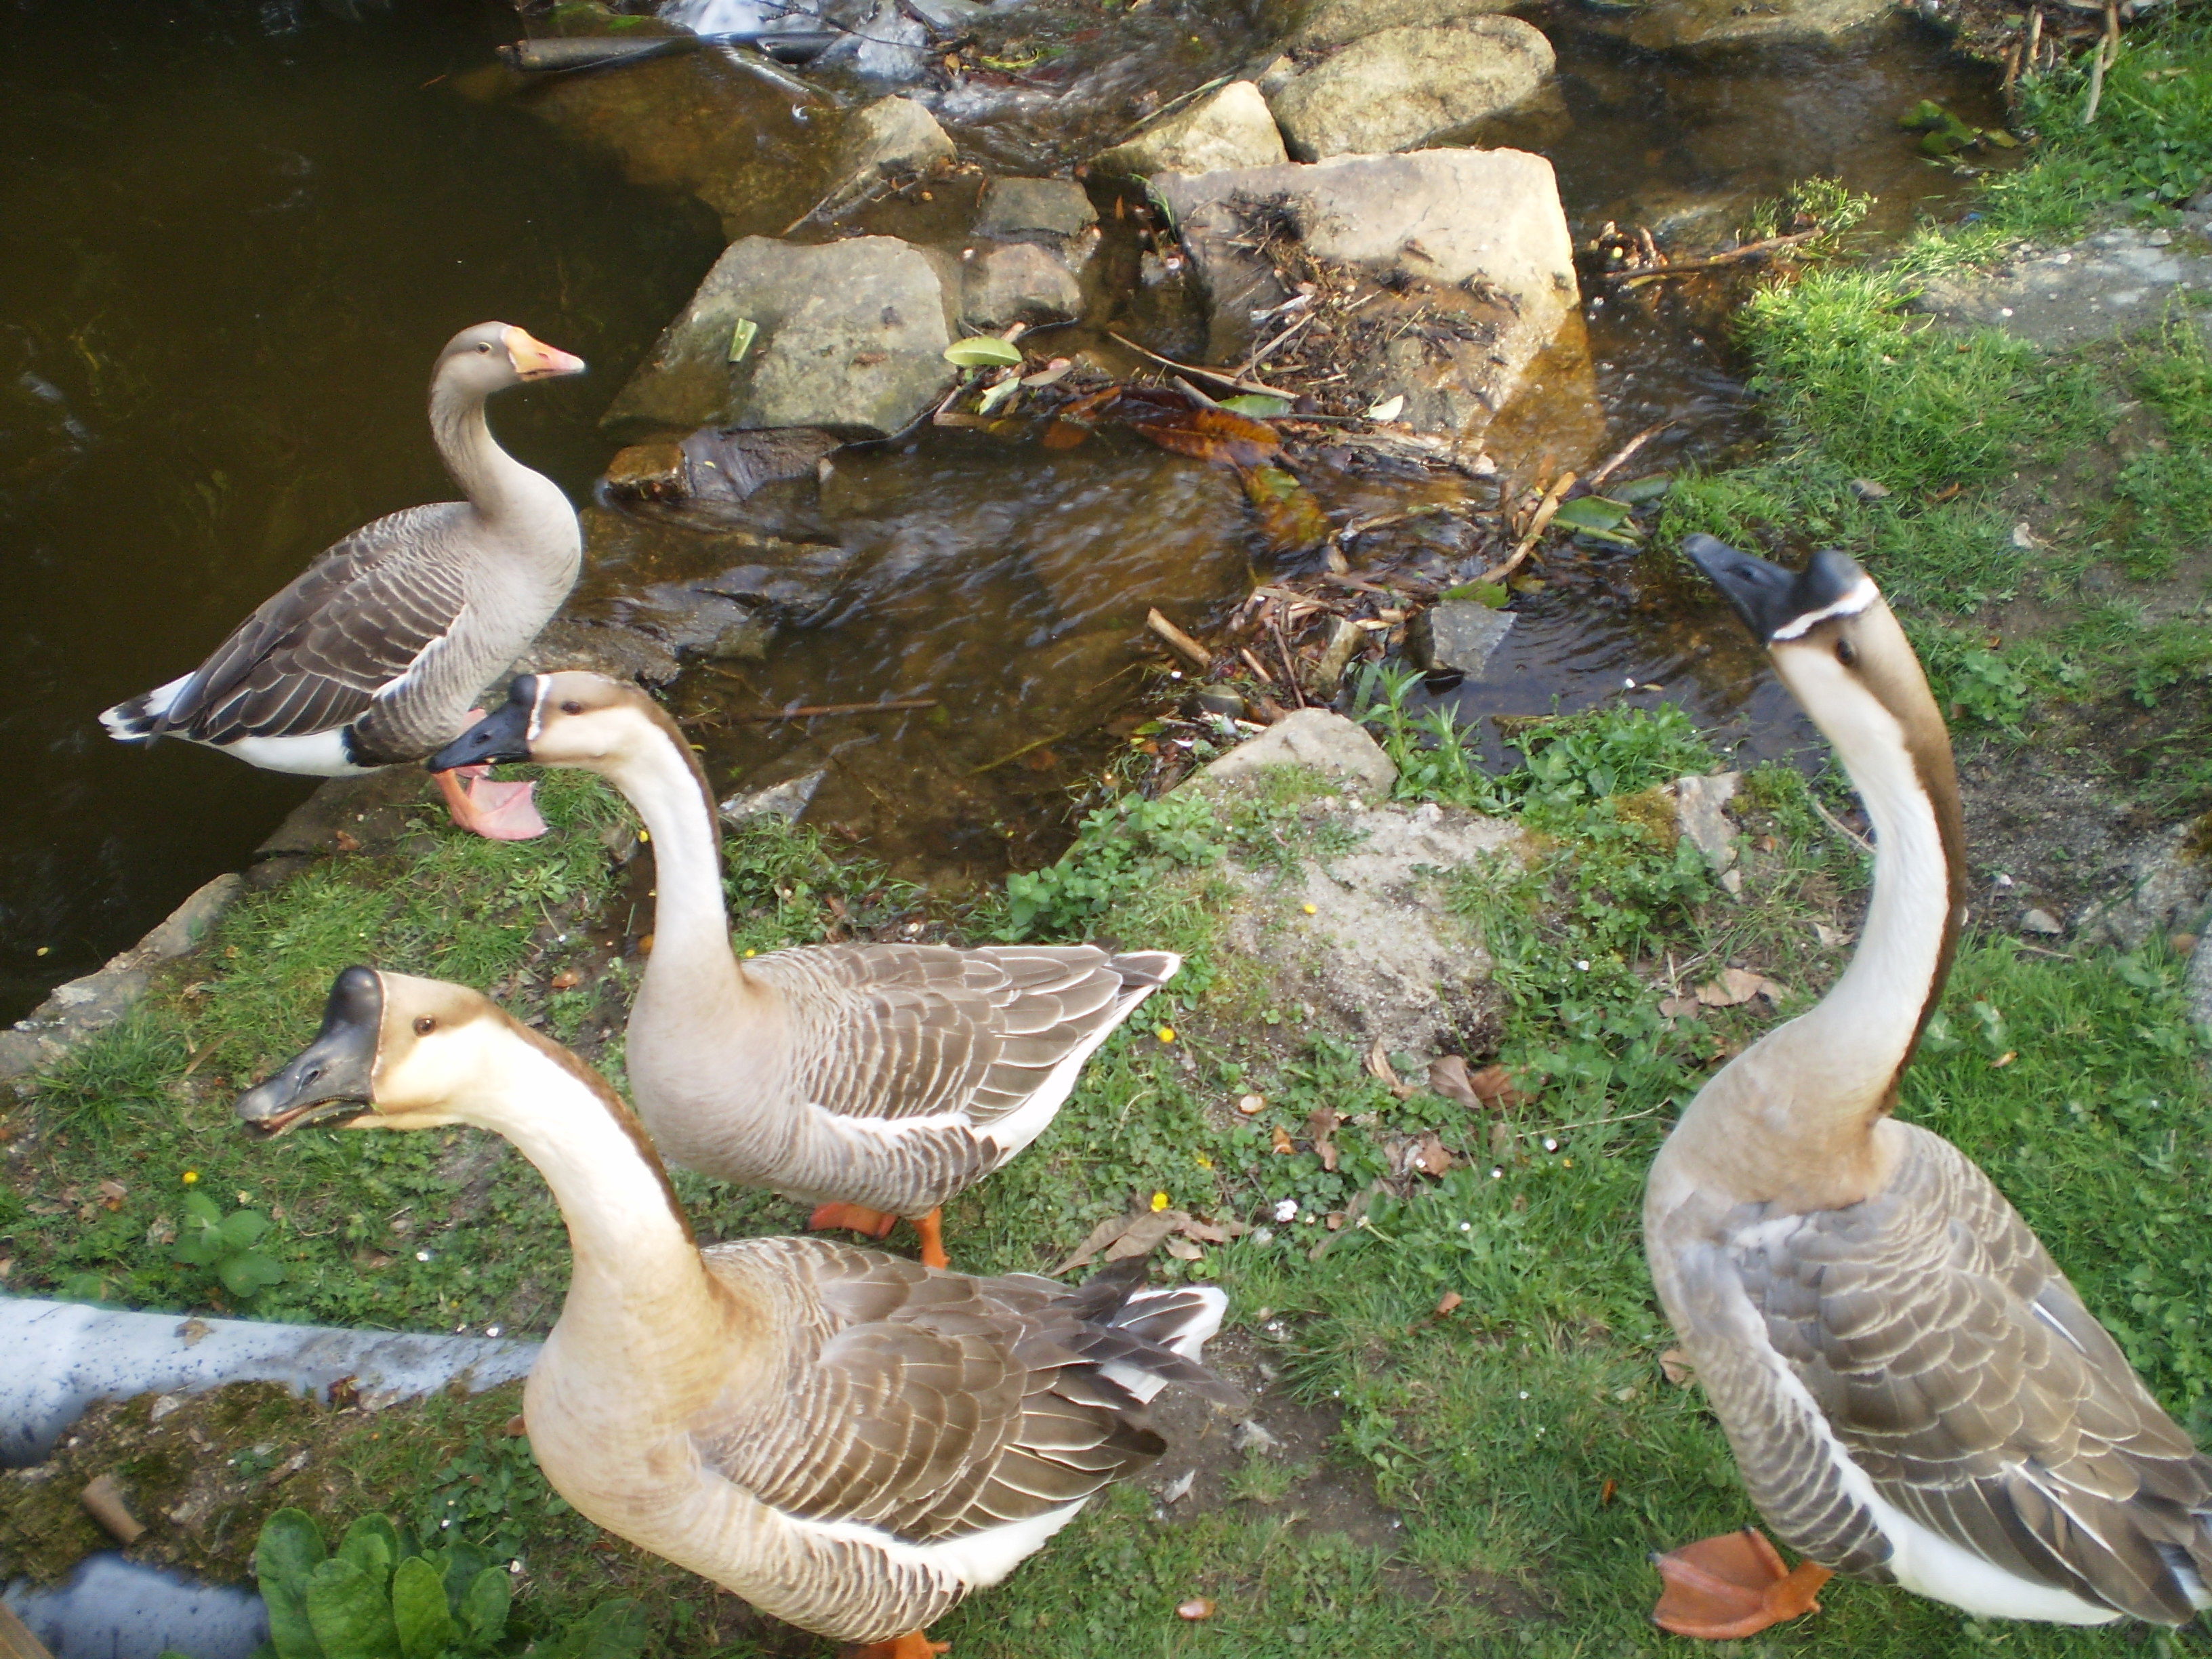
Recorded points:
(1735,256)
(811,712)
(1539,522)
(1193,394)
(1621,455)
(1213,375)
(1263,353)
(1185,646)
(1290,667)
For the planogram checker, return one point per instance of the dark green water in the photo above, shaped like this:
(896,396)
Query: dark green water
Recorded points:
(234,236)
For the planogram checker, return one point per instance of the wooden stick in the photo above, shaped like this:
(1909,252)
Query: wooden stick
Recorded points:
(1213,375)
(1290,666)
(1620,456)
(1839,826)
(820,709)
(1713,262)
(2034,41)
(1185,646)
(2012,66)
(1539,522)
(16,1641)
(1263,353)
(2107,50)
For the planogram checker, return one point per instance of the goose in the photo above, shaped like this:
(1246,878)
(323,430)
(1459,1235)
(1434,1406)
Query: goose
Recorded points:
(374,653)
(851,1441)
(874,1081)
(1914,1392)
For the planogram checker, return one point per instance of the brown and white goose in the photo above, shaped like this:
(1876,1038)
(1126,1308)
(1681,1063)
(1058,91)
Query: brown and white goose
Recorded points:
(875,1081)
(375,653)
(1914,1392)
(851,1442)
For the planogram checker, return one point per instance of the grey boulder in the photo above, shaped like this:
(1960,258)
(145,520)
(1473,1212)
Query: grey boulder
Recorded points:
(1478,236)
(1019,283)
(850,339)
(1313,737)
(1457,636)
(1399,88)
(1232,127)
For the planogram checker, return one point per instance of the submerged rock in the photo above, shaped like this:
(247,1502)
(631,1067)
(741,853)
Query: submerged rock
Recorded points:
(1056,209)
(1469,252)
(1457,636)
(1339,22)
(1679,25)
(1399,88)
(848,337)
(890,138)
(1019,283)
(1232,127)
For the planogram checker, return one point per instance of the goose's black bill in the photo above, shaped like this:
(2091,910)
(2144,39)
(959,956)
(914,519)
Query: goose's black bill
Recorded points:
(501,735)
(333,1074)
(1768,598)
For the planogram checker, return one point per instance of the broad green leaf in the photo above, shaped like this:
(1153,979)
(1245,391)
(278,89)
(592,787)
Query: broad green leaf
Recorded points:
(200,1208)
(460,1561)
(241,1230)
(373,1544)
(1257,405)
(349,1612)
(1590,513)
(483,1606)
(1649,488)
(742,337)
(981,351)
(248,1273)
(614,1630)
(1493,595)
(419,1610)
(289,1548)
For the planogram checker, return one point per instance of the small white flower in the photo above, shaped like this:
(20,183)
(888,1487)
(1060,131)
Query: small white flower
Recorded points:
(421,1255)
(1466,1226)
(1498,1174)
(1550,1145)
(1583,965)
(1524,1394)
(492,1330)
(1286,1209)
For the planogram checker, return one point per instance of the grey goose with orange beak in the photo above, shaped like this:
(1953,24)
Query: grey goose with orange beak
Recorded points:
(874,1081)
(1914,1392)
(852,1442)
(373,656)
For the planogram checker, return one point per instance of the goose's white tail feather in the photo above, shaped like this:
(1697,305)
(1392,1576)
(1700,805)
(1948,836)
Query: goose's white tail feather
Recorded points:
(1179,1317)
(132,719)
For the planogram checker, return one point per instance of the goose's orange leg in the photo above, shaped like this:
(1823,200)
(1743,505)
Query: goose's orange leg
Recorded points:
(914,1644)
(877,1224)
(931,1227)
(1732,1586)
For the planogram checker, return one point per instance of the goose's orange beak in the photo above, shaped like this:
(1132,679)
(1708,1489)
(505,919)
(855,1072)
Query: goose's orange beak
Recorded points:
(534,360)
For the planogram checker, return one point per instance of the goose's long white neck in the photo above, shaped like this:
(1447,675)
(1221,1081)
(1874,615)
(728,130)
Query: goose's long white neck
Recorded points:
(637,1276)
(1856,1040)
(502,490)
(691,930)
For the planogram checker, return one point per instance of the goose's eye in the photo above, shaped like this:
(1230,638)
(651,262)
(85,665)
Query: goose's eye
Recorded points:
(424,1025)
(484,345)
(572,707)
(1847,653)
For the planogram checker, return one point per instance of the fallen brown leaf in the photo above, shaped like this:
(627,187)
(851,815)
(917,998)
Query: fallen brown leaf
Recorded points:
(567,980)
(1678,1007)
(1379,1065)
(1493,1087)
(1433,1158)
(1133,1235)
(1198,1607)
(1675,1366)
(1446,1302)
(1183,1250)
(1281,1138)
(1738,985)
(1204,435)
(1321,1124)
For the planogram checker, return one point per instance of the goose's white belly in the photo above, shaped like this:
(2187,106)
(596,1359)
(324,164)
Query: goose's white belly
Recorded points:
(315,754)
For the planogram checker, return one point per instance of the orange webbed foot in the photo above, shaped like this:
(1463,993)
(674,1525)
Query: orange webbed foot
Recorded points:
(1732,1586)
(931,1227)
(853,1218)
(914,1644)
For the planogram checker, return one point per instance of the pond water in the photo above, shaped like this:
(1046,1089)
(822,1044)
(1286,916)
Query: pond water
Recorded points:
(237,235)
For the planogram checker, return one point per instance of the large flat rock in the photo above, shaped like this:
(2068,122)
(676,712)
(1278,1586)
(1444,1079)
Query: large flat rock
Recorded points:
(2112,283)
(851,340)
(1399,88)
(1468,249)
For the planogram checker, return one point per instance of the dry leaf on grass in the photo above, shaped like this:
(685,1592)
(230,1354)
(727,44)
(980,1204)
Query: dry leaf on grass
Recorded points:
(1433,1157)
(1738,985)
(1678,1007)
(1124,1235)
(1490,1089)
(1321,1124)
(1446,1302)
(1279,1139)
(1675,1366)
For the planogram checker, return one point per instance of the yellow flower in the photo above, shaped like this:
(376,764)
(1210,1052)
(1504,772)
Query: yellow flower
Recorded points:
(1204,1161)
(1313,909)
(1159,1202)
(191,1175)
(752,953)
(1166,1033)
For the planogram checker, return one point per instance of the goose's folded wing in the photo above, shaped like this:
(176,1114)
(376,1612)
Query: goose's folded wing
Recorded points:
(317,653)
(934,1406)
(894,1031)
(1954,1362)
